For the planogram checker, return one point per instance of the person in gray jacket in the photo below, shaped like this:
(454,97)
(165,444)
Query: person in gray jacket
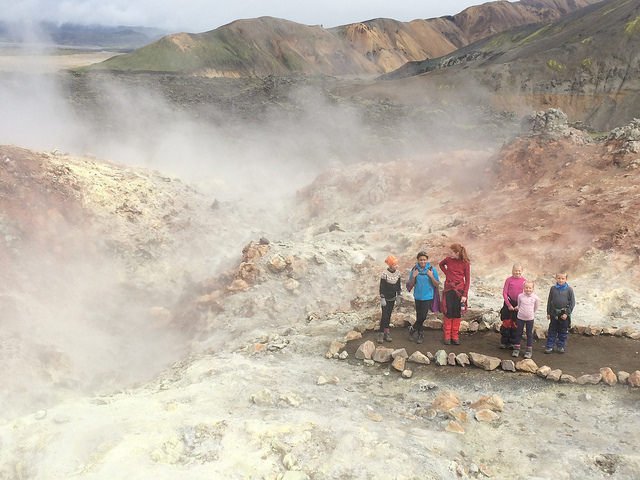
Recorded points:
(560,305)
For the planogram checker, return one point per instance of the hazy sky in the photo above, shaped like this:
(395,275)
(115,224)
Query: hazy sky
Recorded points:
(202,15)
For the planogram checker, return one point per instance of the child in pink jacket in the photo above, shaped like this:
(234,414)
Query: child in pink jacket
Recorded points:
(528,303)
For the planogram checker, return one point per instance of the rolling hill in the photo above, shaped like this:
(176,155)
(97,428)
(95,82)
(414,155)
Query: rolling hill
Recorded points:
(271,46)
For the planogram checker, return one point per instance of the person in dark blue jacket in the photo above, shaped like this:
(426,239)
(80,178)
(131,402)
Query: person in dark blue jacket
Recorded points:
(423,279)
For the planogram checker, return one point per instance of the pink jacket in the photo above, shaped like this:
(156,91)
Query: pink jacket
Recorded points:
(527,306)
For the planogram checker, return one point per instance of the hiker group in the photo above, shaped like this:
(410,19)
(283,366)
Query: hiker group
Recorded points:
(517,313)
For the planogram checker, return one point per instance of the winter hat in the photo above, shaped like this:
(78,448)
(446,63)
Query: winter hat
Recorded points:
(391,261)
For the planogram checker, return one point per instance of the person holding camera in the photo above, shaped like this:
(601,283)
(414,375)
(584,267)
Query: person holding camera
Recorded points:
(423,279)
(560,305)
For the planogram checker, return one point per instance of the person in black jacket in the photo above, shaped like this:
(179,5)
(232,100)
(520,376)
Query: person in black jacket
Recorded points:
(390,292)
(560,305)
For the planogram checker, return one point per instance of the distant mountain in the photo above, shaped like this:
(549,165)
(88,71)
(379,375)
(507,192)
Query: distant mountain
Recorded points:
(267,45)
(73,35)
(587,63)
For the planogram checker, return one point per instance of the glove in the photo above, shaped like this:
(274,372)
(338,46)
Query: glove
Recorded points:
(383,302)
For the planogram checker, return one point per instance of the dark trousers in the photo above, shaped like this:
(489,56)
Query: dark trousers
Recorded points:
(522,325)
(509,327)
(385,319)
(558,332)
(454,308)
(422,308)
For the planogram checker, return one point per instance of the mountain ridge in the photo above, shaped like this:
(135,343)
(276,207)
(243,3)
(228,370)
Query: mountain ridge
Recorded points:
(271,46)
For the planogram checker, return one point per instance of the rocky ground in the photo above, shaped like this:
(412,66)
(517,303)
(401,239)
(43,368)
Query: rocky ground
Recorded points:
(250,393)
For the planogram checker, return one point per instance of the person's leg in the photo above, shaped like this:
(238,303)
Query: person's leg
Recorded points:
(446,329)
(385,319)
(518,337)
(505,316)
(529,327)
(563,333)
(552,333)
(455,331)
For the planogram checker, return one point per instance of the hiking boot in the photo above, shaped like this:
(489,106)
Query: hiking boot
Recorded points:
(515,353)
(412,333)
(548,350)
(528,354)
(447,341)
(504,346)
(387,337)
(560,349)
(455,341)
(380,337)
(420,337)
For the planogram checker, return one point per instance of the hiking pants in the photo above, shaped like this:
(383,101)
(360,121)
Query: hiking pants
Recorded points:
(385,319)
(422,308)
(522,325)
(558,332)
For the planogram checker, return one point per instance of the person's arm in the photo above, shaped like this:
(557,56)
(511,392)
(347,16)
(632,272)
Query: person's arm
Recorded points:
(399,286)
(467,280)
(381,285)
(572,300)
(549,303)
(505,291)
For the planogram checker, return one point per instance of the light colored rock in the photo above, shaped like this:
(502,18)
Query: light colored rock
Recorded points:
(623,377)
(445,401)
(276,264)
(543,371)
(454,427)
(431,356)
(608,377)
(433,323)
(539,332)
(322,380)
(368,362)
(493,402)
(343,355)
(459,415)
(418,357)
(565,378)
(399,363)
(462,359)
(291,285)
(352,335)
(365,350)
(609,330)
(474,327)
(527,365)
(485,362)
(335,347)
(633,380)
(508,365)
(555,375)
(451,359)
(441,358)
(263,398)
(593,331)
(592,379)
(407,373)
(486,416)
(400,352)
(464,326)
(382,355)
